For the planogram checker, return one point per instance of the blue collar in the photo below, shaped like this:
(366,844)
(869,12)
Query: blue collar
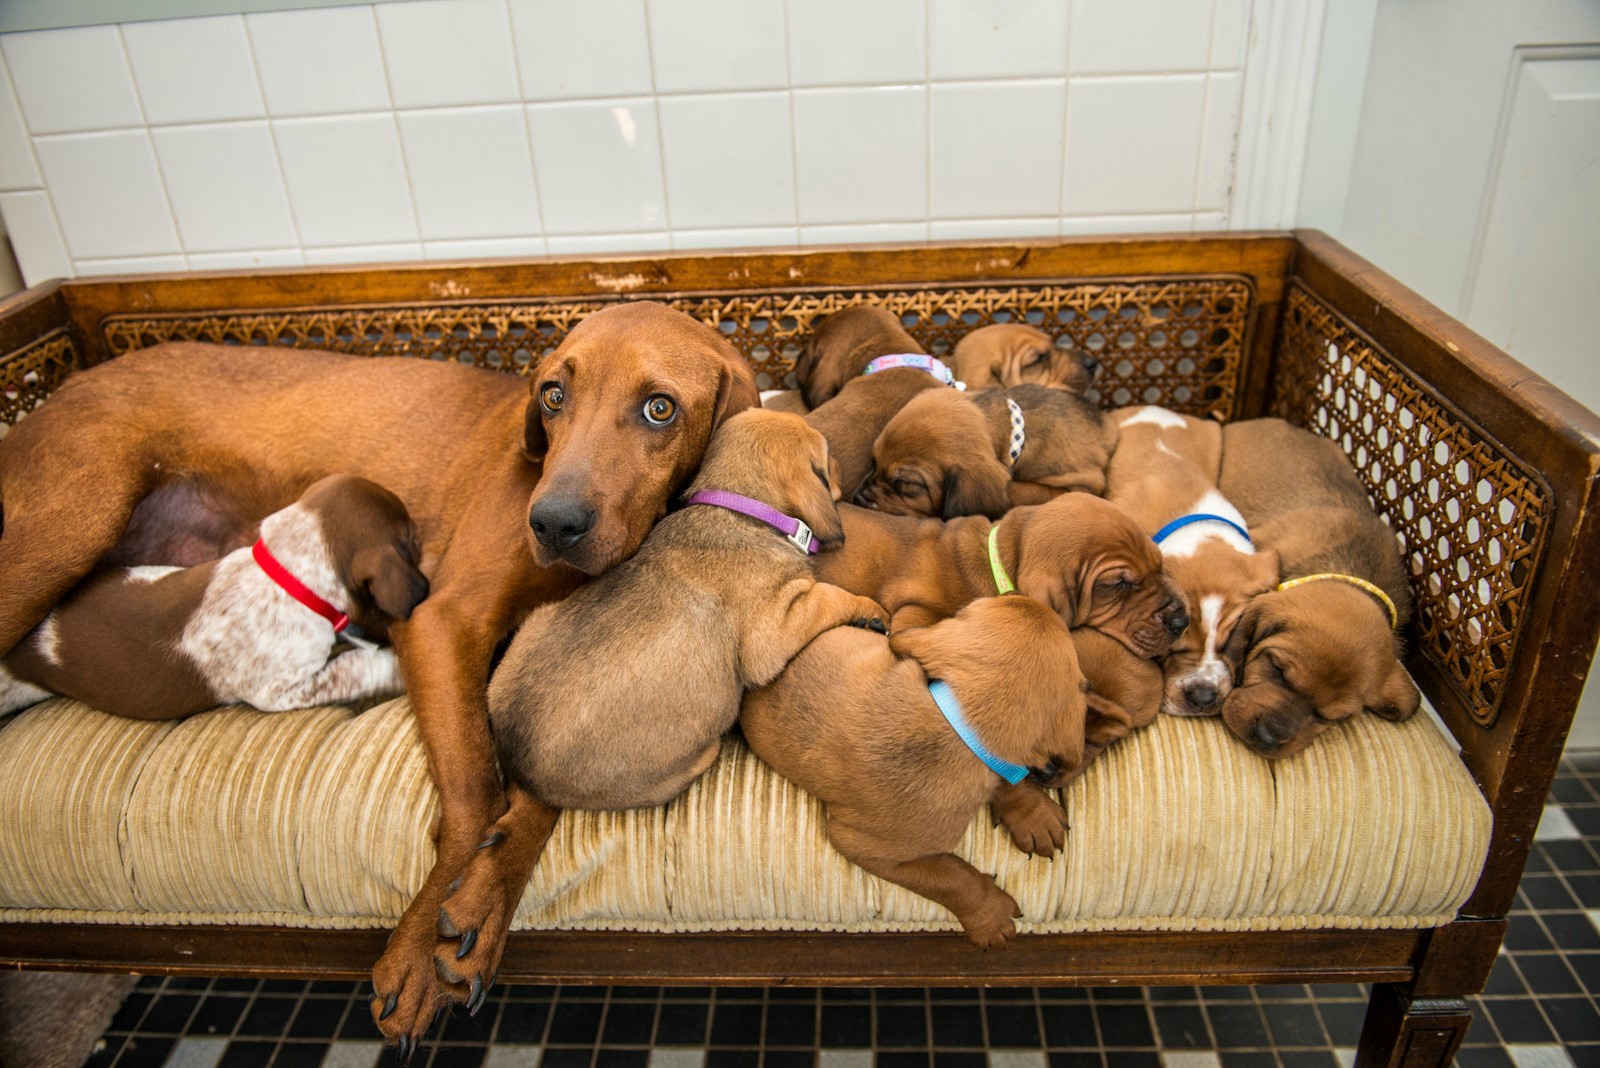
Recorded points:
(1199,517)
(945,698)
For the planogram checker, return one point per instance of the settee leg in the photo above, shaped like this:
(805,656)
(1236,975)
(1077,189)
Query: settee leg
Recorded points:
(1405,1031)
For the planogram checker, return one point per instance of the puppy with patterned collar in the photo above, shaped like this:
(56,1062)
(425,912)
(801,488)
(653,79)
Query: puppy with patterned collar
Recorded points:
(274,625)
(1164,474)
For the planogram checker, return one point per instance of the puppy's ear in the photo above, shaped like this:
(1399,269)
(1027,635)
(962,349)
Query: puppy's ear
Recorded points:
(1240,639)
(913,643)
(736,390)
(1399,698)
(392,582)
(1047,582)
(1264,566)
(1087,479)
(534,442)
(978,489)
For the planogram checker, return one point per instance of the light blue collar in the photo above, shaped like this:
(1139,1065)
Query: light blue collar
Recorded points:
(945,698)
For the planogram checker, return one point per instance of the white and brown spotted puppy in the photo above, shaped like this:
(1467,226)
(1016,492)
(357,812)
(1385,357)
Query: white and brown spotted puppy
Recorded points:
(1010,354)
(166,642)
(1165,471)
(1326,650)
(618,696)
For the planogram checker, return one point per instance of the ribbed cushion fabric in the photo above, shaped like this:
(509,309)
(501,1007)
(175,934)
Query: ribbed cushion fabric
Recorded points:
(321,818)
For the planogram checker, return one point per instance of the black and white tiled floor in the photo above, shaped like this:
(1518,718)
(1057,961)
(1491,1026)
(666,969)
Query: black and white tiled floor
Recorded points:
(1539,1010)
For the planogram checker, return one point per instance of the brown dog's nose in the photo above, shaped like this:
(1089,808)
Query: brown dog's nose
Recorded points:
(1262,738)
(1201,695)
(560,522)
(1177,620)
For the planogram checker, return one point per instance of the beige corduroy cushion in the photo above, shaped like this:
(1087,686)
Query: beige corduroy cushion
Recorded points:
(320,819)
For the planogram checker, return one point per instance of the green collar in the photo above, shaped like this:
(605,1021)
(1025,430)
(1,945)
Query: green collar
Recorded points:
(1002,581)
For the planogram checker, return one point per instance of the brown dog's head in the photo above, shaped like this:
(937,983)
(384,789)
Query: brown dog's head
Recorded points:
(1307,658)
(936,458)
(780,460)
(1219,581)
(1085,558)
(1009,354)
(1013,667)
(843,344)
(373,547)
(621,414)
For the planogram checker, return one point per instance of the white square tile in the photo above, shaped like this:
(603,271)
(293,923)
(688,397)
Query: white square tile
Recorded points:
(346,179)
(997,149)
(244,261)
(1218,142)
(997,38)
(132,265)
(35,238)
(699,45)
(1345,1055)
(486,249)
(680,1057)
(1191,1059)
(1132,144)
(599,166)
(471,173)
(74,79)
(557,42)
(1017,1058)
(1538,1055)
(1074,226)
(861,154)
(512,1056)
(984,229)
(400,252)
(191,1052)
(863,234)
(606,244)
(319,62)
(1127,36)
(17,169)
(347,1054)
(1555,826)
(1229,27)
(108,194)
(193,70)
(224,186)
(729,160)
(846,42)
(441,52)
(838,1058)
(744,237)
(1218,220)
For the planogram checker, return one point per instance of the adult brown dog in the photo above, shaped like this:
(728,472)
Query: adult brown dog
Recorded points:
(1311,656)
(851,722)
(949,454)
(1010,354)
(174,454)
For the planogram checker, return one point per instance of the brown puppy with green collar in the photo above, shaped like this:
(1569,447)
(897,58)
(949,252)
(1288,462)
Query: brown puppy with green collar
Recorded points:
(852,722)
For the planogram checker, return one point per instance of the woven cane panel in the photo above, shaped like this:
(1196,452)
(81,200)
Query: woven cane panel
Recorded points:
(1470,518)
(1177,342)
(28,375)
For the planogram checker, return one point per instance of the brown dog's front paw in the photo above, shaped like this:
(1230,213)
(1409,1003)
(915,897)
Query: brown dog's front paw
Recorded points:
(877,626)
(1037,825)
(472,926)
(407,998)
(991,925)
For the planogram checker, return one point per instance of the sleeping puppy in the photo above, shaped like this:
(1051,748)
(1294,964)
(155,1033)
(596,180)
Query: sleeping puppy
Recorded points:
(1323,651)
(618,696)
(948,454)
(853,420)
(1164,474)
(1010,354)
(852,722)
(843,344)
(272,625)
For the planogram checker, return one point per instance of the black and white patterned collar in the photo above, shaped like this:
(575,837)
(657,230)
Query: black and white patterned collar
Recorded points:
(1019,433)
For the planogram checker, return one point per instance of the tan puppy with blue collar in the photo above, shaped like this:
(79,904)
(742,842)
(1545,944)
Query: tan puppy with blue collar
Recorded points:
(1164,474)
(852,722)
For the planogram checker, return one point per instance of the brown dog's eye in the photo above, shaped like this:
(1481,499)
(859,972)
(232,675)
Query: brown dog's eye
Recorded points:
(659,410)
(552,397)
(906,488)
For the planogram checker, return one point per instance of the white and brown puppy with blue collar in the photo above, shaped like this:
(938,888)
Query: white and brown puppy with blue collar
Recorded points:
(278,625)
(1164,474)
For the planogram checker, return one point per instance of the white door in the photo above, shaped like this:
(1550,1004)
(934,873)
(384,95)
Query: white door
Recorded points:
(1476,181)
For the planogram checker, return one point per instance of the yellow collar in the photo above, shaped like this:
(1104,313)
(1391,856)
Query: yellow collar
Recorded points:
(1352,580)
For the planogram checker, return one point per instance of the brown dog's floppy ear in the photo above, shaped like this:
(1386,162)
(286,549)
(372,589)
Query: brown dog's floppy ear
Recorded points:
(1047,582)
(534,442)
(736,390)
(1242,637)
(978,490)
(393,583)
(1399,699)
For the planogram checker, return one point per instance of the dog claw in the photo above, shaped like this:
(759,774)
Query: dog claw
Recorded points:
(468,940)
(404,1049)
(494,839)
(476,998)
(388,1007)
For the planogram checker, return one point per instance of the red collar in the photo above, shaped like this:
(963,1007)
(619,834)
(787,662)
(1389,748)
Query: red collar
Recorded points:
(295,588)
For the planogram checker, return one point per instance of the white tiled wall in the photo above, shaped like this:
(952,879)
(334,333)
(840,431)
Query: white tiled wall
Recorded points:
(447,129)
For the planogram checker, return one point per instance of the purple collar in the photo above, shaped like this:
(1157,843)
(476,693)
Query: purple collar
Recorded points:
(921,361)
(793,529)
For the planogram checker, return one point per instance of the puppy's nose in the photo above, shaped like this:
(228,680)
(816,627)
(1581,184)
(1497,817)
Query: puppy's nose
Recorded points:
(560,522)
(1200,694)
(1262,738)
(1177,621)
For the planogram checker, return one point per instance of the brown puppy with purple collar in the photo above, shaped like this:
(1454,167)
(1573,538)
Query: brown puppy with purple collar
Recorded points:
(1011,354)
(948,454)
(852,722)
(1327,649)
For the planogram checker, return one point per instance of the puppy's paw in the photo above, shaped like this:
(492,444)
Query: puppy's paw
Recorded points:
(877,626)
(472,925)
(991,925)
(1037,825)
